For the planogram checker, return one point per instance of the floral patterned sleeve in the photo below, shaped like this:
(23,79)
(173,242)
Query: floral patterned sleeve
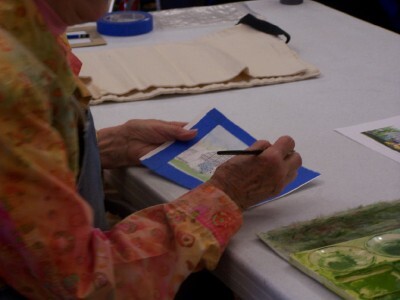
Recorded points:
(49,248)
(165,243)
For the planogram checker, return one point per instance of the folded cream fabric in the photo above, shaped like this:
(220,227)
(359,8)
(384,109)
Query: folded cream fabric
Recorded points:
(237,57)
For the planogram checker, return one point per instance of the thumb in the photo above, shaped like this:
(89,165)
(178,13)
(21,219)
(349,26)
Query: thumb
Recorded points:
(183,134)
(175,131)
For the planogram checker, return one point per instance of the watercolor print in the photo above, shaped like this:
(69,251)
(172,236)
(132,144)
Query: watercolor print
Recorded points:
(388,136)
(340,258)
(201,160)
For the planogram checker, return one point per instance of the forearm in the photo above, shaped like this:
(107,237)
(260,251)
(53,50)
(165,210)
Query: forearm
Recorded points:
(111,145)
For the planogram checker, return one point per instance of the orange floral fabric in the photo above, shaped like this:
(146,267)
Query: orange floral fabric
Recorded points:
(48,246)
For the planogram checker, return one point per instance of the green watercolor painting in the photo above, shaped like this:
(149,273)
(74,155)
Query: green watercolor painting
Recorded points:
(328,230)
(365,268)
(355,253)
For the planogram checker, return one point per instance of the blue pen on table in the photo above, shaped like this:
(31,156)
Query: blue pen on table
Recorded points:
(78,35)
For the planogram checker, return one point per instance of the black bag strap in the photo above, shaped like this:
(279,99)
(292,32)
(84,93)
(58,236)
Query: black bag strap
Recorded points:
(263,26)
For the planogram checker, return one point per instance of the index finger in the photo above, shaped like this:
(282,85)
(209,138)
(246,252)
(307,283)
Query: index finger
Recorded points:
(285,145)
(259,145)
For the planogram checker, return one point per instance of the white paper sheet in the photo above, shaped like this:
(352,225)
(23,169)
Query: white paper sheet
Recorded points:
(382,136)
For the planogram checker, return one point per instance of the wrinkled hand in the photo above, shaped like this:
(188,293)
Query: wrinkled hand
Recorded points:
(249,179)
(123,145)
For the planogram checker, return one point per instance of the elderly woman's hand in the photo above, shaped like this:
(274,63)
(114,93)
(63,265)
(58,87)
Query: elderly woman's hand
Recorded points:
(123,145)
(249,179)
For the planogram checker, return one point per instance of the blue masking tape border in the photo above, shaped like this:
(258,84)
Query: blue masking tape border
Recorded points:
(125,23)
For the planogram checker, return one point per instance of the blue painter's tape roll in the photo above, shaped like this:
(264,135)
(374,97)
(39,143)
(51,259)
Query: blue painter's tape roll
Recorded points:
(125,23)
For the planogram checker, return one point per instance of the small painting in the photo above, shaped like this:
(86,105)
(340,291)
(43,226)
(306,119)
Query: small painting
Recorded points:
(388,136)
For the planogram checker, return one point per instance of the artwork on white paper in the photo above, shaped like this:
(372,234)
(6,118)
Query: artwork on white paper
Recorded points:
(382,136)
(201,159)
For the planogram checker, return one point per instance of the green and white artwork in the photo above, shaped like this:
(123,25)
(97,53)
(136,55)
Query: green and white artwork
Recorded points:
(201,159)
(388,136)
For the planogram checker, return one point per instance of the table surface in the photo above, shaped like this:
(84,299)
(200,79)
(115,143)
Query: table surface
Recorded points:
(359,82)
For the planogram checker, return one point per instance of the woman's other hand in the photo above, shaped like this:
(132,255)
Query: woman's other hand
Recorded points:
(123,145)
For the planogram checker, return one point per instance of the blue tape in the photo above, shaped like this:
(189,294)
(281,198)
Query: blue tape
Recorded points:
(125,23)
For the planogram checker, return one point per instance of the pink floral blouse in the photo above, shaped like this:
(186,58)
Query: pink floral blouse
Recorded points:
(48,245)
